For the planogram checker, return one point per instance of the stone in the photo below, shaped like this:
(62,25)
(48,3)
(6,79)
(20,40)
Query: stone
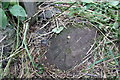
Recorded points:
(68,48)
(47,14)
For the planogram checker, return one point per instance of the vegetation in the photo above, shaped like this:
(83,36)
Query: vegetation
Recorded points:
(104,53)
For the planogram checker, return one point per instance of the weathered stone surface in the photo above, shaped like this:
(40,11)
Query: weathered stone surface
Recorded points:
(69,47)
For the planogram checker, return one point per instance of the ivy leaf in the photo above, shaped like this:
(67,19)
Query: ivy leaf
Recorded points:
(57,29)
(87,1)
(5,5)
(18,10)
(3,19)
(114,3)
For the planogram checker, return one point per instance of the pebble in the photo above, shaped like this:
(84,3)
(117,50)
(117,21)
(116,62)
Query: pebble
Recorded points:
(47,14)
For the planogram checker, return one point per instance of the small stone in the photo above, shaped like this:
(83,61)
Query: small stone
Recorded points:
(47,14)
(68,37)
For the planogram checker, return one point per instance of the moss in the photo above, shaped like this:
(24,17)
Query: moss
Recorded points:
(68,51)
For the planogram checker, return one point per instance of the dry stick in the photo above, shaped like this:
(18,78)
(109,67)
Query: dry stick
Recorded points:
(2,75)
(62,23)
(101,33)
(57,24)
(87,56)
(44,35)
(45,25)
(101,56)
(22,71)
(112,59)
(93,44)
(48,21)
(96,47)
(34,15)
(6,70)
(1,53)
(52,19)
(93,75)
(33,72)
(66,9)
(3,38)
(7,44)
(12,55)
(15,53)
(87,53)
(87,74)
(117,71)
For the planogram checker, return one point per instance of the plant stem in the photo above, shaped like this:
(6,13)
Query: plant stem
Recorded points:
(25,43)
(17,45)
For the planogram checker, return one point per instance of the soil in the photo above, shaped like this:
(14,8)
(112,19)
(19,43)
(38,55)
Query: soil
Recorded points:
(6,39)
(68,48)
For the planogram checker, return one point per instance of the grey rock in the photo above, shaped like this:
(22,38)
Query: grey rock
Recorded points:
(47,14)
(69,47)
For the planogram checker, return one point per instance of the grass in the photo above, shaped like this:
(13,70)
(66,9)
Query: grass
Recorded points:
(101,60)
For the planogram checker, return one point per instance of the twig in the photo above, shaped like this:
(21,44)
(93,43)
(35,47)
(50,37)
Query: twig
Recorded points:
(1,52)
(3,38)
(22,71)
(44,35)
(93,75)
(6,70)
(102,33)
(45,25)
(87,57)
(35,14)
(57,16)
(12,55)
(62,24)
